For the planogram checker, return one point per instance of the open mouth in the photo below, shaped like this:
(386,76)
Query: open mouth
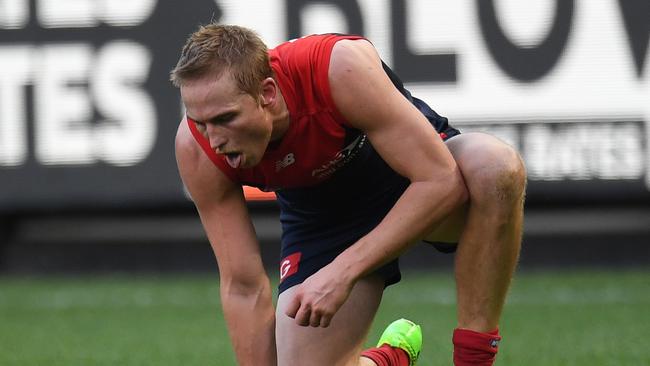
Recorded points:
(234,159)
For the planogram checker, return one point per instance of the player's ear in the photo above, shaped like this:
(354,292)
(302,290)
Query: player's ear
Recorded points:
(269,91)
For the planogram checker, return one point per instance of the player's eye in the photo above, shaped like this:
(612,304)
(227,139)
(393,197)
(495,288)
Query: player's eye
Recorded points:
(225,118)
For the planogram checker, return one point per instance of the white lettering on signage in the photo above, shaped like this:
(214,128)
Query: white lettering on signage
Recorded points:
(91,13)
(15,72)
(130,112)
(63,109)
(69,80)
(89,103)
(576,151)
(584,151)
(13,13)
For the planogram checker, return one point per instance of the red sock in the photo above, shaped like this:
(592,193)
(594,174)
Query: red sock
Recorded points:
(474,348)
(387,356)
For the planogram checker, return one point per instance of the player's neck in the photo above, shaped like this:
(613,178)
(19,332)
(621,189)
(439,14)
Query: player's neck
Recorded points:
(280,117)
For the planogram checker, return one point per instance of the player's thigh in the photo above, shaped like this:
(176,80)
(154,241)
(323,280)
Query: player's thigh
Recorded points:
(338,344)
(477,155)
(449,229)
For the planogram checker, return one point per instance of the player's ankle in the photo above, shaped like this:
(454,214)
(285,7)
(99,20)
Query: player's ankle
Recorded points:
(478,324)
(475,348)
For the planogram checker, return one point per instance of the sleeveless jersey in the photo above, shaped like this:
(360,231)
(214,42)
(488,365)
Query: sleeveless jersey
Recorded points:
(331,185)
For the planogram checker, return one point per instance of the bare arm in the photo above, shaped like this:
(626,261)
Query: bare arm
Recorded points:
(404,138)
(407,142)
(245,289)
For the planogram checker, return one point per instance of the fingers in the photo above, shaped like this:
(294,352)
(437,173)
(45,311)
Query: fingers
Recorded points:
(304,315)
(293,307)
(325,320)
(313,318)
(298,311)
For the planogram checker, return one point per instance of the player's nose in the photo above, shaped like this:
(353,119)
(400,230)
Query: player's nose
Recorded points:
(217,140)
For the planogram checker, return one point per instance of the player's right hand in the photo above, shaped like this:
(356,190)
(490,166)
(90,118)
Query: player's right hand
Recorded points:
(318,298)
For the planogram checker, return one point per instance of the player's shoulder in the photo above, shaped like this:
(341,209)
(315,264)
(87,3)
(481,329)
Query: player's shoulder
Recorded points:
(183,134)
(349,63)
(185,143)
(313,43)
(188,152)
(350,53)
(311,39)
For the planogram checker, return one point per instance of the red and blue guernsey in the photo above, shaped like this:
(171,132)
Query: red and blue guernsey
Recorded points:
(332,186)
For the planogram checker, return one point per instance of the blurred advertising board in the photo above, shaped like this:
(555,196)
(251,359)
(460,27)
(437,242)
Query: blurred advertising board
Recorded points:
(88,118)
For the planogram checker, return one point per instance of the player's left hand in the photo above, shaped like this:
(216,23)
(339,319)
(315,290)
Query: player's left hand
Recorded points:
(318,298)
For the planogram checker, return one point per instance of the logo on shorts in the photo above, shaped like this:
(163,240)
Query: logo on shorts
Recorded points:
(289,265)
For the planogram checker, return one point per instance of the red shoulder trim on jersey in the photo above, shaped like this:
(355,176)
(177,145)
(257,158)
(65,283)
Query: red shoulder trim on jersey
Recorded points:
(216,159)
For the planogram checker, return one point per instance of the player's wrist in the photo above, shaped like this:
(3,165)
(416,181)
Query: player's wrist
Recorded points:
(348,268)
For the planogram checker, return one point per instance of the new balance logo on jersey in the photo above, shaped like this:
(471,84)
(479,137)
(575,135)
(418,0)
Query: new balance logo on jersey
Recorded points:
(285,162)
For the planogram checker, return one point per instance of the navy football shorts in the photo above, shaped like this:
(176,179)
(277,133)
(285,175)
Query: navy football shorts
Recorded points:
(320,222)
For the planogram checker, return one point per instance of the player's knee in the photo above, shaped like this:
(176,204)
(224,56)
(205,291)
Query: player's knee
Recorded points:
(500,178)
(511,176)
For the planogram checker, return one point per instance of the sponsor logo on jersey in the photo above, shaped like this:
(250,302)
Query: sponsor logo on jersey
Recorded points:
(340,158)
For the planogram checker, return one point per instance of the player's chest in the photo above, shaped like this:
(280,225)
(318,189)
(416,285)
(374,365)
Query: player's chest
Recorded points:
(314,151)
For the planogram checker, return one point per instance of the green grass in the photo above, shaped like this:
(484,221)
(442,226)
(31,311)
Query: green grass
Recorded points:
(551,319)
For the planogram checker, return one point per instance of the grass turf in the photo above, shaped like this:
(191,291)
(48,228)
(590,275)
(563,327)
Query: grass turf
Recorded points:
(551,318)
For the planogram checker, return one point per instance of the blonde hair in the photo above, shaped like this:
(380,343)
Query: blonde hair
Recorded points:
(215,48)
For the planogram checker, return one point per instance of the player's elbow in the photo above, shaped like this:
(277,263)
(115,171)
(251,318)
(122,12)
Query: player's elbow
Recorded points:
(459,191)
(240,284)
(451,186)
(445,189)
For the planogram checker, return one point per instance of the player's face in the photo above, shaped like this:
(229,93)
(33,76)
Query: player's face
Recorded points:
(236,125)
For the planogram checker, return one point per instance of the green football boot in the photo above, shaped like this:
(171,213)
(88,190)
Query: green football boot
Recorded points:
(403,334)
